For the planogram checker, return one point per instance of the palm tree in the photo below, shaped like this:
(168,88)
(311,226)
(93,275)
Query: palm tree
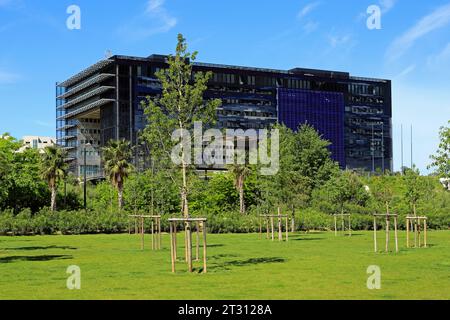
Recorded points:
(116,156)
(53,169)
(240,173)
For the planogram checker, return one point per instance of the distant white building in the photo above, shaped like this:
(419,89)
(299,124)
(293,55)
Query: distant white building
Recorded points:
(36,142)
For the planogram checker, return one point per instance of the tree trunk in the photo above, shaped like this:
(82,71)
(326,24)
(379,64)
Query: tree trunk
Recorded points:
(120,196)
(241,197)
(53,199)
(184,189)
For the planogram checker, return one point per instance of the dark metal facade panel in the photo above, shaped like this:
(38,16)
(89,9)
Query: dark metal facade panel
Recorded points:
(322,110)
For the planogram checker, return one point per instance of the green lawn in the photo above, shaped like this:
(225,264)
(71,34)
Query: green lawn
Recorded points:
(310,266)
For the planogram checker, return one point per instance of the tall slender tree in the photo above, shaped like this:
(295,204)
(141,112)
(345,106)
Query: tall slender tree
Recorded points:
(116,157)
(53,169)
(180,105)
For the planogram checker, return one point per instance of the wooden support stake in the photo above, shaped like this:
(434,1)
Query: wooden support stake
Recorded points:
(160,234)
(387,233)
(189,246)
(197,243)
(335,226)
(280,234)
(396,234)
(375,233)
(273,228)
(267,228)
(287,229)
(407,232)
(153,235)
(204,247)
(172,246)
(415,233)
(142,233)
(419,227)
(186,243)
(260,227)
(425,227)
(175,231)
(350,225)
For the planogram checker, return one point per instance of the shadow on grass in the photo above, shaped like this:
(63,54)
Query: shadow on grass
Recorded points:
(35,258)
(307,239)
(38,248)
(242,263)
(220,256)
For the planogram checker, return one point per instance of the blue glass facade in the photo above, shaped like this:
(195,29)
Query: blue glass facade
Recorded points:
(325,111)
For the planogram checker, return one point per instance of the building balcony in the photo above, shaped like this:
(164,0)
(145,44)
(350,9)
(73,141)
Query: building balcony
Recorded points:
(85,73)
(86,108)
(85,97)
(86,84)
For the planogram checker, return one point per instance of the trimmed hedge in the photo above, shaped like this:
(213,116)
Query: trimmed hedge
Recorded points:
(46,222)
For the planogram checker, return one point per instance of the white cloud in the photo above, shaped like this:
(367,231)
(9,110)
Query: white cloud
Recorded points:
(155,19)
(8,78)
(387,5)
(436,20)
(307,9)
(155,9)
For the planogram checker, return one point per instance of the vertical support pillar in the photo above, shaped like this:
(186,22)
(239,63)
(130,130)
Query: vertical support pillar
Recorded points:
(117,104)
(131,104)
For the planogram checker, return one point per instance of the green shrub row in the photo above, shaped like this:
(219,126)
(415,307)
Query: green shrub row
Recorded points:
(46,222)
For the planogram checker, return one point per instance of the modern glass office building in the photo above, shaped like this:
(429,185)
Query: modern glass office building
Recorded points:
(103,103)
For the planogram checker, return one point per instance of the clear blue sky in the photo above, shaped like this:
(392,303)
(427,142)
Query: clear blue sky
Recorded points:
(412,49)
